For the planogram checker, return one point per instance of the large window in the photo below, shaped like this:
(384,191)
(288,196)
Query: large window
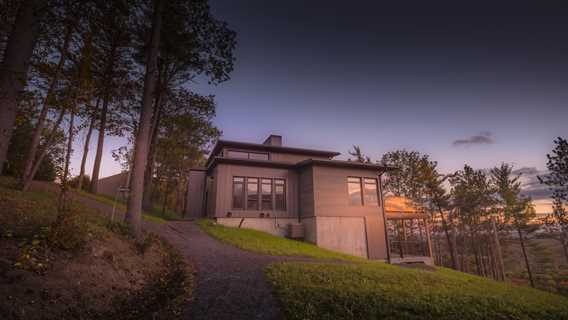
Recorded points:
(354,191)
(371,192)
(252,193)
(238,193)
(247,155)
(280,194)
(266,194)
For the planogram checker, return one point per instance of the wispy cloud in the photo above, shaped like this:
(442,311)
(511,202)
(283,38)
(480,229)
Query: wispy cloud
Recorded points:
(485,137)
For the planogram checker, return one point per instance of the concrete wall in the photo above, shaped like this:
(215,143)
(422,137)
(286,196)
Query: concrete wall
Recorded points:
(196,194)
(277,227)
(109,186)
(224,179)
(343,234)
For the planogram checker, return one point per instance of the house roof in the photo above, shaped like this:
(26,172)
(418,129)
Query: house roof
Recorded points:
(344,164)
(301,164)
(266,147)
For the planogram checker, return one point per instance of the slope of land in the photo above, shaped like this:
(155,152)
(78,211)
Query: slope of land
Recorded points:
(88,269)
(374,290)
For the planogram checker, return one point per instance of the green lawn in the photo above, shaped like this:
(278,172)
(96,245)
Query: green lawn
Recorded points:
(381,291)
(359,289)
(262,242)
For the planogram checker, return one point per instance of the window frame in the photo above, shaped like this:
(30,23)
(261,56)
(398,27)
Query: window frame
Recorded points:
(360,183)
(248,157)
(257,194)
(272,193)
(284,194)
(375,182)
(244,195)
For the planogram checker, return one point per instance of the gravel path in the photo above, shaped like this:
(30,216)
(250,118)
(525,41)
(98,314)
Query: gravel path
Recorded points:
(229,282)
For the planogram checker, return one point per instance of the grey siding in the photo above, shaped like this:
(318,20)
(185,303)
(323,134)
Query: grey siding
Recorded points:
(196,194)
(306,192)
(109,186)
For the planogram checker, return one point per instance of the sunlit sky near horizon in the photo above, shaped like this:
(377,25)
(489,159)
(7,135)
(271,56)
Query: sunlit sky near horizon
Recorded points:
(481,84)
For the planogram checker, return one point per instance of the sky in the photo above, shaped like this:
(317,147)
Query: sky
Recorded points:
(478,83)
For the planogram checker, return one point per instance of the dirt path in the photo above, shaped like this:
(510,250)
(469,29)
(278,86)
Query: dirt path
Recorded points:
(229,282)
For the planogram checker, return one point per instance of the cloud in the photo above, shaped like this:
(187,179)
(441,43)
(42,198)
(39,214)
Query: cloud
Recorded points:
(482,138)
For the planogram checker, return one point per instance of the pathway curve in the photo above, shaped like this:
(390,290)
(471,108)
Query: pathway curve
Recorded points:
(229,282)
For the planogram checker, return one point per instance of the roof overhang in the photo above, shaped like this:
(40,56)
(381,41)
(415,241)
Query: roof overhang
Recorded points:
(268,148)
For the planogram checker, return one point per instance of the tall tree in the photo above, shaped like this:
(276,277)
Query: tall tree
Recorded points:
(516,208)
(134,209)
(14,69)
(557,181)
(111,70)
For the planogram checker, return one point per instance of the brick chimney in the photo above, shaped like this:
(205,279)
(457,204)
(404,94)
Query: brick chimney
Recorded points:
(273,140)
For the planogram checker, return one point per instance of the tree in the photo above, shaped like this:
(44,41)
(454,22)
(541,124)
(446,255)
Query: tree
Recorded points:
(112,68)
(134,209)
(472,199)
(557,181)
(14,69)
(516,208)
(359,156)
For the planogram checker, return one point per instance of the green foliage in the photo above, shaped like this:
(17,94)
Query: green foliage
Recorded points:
(472,194)
(514,207)
(258,241)
(381,291)
(19,145)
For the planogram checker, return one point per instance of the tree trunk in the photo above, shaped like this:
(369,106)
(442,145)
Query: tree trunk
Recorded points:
(564,241)
(450,243)
(86,146)
(134,209)
(148,183)
(498,252)
(63,204)
(100,143)
(36,136)
(14,69)
(522,241)
(49,140)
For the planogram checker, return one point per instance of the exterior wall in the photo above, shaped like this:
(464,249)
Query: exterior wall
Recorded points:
(109,186)
(343,234)
(196,194)
(277,227)
(331,201)
(306,192)
(224,180)
(211,193)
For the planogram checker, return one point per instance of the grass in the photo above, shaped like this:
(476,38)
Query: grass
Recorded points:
(359,289)
(382,291)
(153,216)
(262,242)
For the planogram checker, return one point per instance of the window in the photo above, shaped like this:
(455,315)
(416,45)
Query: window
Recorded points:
(247,155)
(266,194)
(354,191)
(371,192)
(237,154)
(280,194)
(258,156)
(238,193)
(252,193)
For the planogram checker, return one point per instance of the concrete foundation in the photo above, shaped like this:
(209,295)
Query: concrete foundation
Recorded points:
(274,226)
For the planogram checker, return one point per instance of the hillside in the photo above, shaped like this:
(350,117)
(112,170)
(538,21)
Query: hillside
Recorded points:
(90,269)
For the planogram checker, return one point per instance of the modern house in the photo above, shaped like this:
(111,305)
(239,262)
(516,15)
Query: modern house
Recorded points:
(294,192)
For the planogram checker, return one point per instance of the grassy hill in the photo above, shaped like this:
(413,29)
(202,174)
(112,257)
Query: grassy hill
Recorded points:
(88,269)
(353,288)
